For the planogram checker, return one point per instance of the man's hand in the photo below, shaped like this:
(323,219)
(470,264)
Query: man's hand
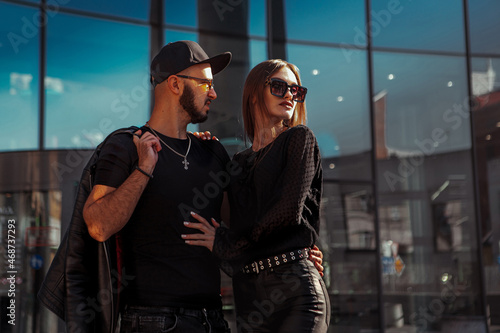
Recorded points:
(316,256)
(205,135)
(206,238)
(148,147)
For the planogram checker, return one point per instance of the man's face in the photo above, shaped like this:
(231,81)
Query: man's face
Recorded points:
(197,95)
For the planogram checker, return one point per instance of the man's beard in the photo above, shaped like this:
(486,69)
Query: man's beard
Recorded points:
(187,102)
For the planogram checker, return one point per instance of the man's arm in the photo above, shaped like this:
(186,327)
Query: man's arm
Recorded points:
(108,209)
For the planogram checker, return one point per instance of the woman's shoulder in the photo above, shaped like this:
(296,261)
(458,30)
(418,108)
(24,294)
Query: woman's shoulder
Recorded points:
(300,129)
(300,132)
(243,154)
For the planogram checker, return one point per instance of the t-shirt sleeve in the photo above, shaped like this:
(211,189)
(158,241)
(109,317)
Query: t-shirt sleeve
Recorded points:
(220,153)
(116,160)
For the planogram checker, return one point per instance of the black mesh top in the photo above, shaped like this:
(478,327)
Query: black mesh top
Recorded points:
(275,200)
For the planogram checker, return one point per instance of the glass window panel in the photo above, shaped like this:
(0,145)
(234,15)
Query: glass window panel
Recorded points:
(326,21)
(421,103)
(257,21)
(484,26)
(425,190)
(485,77)
(132,9)
(424,24)
(347,239)
(95,82)
(338,106)
(486,117)
(33,220)
(258,52)
(181,12)
(19,50)
(436,222)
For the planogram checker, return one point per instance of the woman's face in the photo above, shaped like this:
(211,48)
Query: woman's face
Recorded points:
(280,108)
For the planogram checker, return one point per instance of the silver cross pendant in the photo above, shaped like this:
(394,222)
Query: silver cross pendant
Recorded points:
(186,163)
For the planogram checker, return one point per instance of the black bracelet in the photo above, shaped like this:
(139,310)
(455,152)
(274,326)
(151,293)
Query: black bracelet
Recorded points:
(144,172)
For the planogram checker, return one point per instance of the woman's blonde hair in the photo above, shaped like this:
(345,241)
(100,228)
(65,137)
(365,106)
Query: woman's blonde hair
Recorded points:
(254,108)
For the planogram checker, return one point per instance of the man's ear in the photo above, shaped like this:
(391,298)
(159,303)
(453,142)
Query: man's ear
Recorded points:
(173,84)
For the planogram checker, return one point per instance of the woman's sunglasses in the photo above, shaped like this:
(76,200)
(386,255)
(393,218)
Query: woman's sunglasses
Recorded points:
(280,87)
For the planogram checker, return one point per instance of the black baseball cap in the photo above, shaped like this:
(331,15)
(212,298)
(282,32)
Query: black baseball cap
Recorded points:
(176,57)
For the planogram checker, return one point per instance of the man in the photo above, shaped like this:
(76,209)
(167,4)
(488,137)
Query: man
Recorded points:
(147,186)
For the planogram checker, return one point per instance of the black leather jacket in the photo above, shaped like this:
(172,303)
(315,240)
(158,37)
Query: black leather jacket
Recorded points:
(84,281)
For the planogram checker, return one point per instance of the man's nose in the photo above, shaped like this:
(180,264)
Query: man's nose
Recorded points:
(212,94)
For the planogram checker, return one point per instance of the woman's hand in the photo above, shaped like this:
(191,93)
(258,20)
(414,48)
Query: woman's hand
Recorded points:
(316,256)
(205,135)
(206,238)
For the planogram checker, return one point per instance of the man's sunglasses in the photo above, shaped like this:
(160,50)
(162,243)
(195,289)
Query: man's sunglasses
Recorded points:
(208,82)
(280,87)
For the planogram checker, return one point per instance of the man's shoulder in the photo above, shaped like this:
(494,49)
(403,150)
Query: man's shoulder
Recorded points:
(121,137)
(213,145)
(118,144)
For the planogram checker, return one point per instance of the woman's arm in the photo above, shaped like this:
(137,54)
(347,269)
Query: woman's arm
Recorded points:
(301,176)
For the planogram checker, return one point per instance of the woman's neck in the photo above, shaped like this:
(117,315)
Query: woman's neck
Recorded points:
(267,135)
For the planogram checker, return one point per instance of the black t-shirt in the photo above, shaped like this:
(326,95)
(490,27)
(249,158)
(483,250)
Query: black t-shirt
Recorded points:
(275,200)
(167,271)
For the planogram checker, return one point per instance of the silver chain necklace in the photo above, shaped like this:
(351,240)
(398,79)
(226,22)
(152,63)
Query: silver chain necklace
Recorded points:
(185,162)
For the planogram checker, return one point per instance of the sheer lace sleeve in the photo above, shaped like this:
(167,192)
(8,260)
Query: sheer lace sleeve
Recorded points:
(303,163)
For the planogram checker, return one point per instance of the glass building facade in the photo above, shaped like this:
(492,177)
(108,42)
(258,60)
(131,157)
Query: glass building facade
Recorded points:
(404,99)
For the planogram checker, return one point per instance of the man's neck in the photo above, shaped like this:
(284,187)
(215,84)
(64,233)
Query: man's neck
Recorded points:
(168,124)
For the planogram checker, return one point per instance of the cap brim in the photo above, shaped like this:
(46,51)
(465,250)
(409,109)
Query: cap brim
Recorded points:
(219,62)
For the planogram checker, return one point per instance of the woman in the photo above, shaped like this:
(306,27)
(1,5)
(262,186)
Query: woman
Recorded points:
(275,210)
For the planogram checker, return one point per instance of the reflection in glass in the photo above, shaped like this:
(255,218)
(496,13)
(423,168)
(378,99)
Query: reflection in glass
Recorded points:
(37,224)
(418,25)
(96,85)
(359,220)
(336,99)
(348,244)
(132,9)
(326,21)
(425,190)
(421,104)
(486,117)
(19,79)
(338,107)
(484,26)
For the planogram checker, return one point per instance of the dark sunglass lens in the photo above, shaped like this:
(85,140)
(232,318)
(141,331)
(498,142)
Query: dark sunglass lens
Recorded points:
(301,94)
(278,88)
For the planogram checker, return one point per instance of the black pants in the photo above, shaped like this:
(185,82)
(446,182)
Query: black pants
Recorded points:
(289,298)
(175,320)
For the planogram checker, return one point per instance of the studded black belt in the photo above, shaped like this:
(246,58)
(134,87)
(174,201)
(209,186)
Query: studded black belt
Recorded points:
(274,261)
